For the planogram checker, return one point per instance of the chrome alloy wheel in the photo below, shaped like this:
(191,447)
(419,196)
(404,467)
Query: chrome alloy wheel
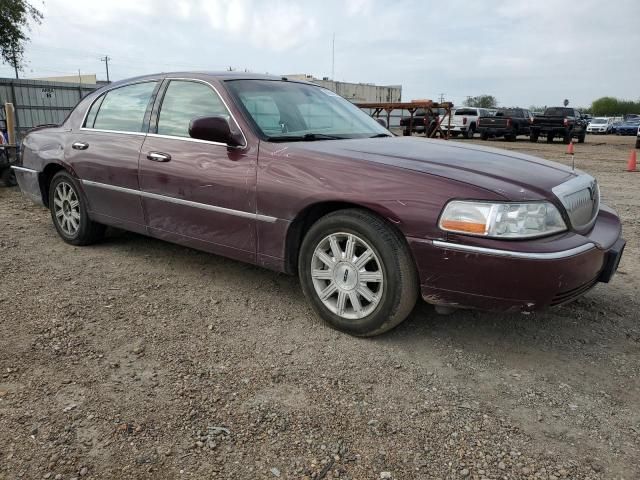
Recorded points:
(347,275)
(66,208)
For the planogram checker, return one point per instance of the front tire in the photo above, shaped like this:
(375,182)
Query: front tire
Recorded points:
(69,211)
(357,273)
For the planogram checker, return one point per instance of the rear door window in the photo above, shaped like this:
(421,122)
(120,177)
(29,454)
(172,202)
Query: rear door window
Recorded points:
(184,101)
(123,109)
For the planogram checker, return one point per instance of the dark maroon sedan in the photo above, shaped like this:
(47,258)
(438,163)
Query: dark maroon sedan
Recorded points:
(290,176)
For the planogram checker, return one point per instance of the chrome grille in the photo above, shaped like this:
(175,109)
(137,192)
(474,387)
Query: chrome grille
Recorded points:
(581,199)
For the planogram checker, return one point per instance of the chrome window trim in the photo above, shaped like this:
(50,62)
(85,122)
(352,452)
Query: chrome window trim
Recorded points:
(24,169)
(514,254)
(179,201)
(123,132)
(226,105)
(188,139)
(84,117)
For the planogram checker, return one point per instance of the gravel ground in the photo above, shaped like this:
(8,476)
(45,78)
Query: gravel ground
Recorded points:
(139,359)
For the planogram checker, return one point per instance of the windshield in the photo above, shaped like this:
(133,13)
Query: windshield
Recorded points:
(597,121)
(283,110)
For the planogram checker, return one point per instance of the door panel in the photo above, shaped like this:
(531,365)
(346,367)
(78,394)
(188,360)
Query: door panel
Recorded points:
(205,193)
(110,160)
(104,153)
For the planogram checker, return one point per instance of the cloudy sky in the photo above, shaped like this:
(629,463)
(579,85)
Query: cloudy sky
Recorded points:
(523,52)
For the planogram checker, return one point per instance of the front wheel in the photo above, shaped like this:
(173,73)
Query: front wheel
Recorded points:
(69,211)
(533,138)
(357,273)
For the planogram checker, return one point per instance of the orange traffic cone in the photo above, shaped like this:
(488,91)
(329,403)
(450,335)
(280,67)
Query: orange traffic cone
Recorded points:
(570,148)
(631,165)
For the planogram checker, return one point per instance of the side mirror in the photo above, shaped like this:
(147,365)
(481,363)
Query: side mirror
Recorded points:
(214,129)
(382,122)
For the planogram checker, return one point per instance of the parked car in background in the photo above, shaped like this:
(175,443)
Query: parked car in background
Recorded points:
(507,123)
(562,122)
(423,122)
(638,138)
(290,176)
(464,121)
(601,125)
(628,127)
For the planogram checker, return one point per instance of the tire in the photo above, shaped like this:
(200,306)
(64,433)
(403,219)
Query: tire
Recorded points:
(470,132)
(582,137)
(67,204)
(394,288)
(8,177)
(638,143)
(406,132)
(550,138)
(533,138)
(484,136)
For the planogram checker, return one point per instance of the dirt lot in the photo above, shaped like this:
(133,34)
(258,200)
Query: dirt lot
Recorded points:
(140,359)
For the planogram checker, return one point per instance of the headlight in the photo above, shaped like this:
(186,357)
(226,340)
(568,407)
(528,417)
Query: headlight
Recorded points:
(502,220)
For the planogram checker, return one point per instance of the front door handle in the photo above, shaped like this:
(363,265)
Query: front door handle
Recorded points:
(158,156)
(80,146)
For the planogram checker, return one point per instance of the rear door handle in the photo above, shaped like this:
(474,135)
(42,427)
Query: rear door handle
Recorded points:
(80,146)
(158,156)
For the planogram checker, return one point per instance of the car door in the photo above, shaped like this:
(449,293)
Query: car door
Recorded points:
(197,192)
(104,153)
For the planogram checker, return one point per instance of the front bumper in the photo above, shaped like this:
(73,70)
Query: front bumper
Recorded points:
(518,276)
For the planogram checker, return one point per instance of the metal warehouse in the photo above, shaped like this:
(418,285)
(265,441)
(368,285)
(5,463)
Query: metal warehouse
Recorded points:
(40,102)
(356,92)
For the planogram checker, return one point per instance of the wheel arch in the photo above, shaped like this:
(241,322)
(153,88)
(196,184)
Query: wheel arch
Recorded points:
(303,221)
(45,176)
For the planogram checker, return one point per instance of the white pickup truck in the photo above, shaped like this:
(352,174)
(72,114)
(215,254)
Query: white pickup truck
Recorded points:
(464,121)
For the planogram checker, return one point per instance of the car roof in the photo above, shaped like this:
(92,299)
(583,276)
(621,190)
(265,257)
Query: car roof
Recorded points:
(225,75)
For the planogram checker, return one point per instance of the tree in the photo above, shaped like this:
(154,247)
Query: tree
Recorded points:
(481,101)
(15,16)
(611,106)
(566,102)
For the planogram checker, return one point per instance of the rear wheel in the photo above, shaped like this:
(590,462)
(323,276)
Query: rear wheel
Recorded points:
(357,273)
(8,177)
(470,132)
(69,212)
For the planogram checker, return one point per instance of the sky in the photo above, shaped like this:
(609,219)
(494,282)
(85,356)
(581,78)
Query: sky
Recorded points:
(523,52)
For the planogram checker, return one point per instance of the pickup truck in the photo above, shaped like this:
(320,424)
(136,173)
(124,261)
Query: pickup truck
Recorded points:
(465,121)
(507,123)
(423,122)
(563,122)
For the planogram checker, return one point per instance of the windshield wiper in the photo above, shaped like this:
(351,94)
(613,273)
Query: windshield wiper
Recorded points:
(307,137)
(380,135)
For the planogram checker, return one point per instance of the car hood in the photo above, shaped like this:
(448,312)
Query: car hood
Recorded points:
(513,175)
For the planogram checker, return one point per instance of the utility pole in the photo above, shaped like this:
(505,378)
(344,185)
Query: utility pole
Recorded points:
(442,97)
(15,60)
(106,59)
